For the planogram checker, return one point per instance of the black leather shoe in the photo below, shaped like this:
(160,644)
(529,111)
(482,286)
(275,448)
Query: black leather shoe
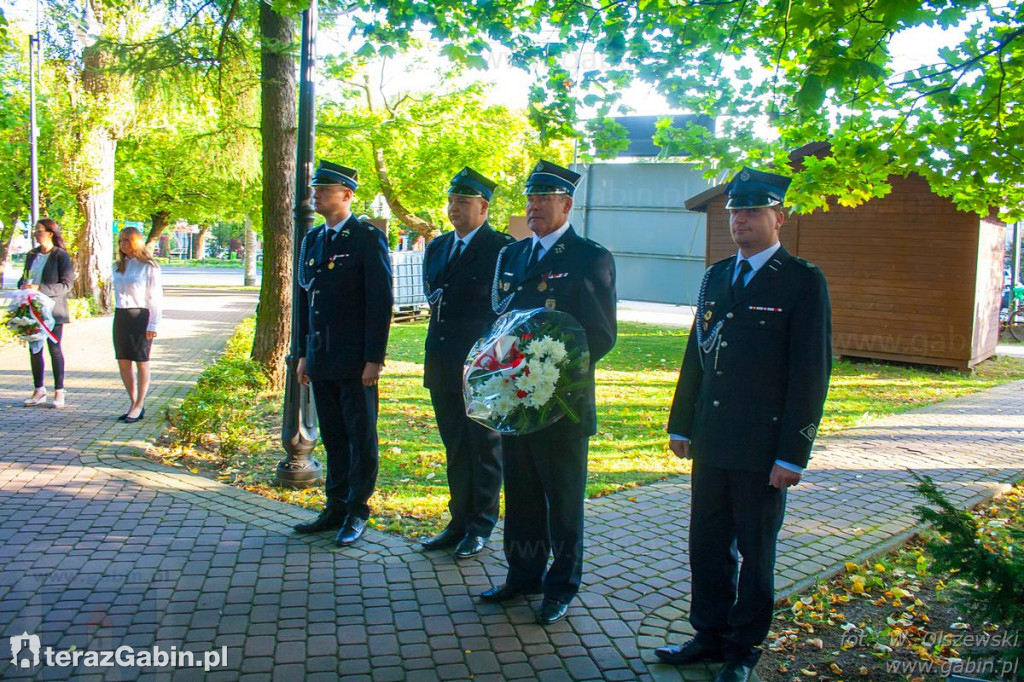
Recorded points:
(470,546)
(504,592)
(694,651)
(351,531)
(552,611)
(329,519)
(445,539)
(132,420)
(734,672)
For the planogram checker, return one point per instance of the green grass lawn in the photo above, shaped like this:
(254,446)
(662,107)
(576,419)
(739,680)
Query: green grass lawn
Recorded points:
(239,427)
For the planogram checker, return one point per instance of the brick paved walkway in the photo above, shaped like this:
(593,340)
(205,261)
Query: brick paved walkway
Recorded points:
(102,549)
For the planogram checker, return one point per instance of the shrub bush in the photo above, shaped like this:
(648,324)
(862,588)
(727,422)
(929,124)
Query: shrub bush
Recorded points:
(984,555)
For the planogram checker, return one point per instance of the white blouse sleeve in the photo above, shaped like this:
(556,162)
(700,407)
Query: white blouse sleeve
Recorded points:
(154,297)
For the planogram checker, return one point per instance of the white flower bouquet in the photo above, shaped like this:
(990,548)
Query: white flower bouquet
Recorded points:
(528,372)
(30,317)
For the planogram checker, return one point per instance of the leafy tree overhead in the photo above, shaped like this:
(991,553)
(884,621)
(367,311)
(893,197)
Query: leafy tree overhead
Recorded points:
(95,102)
(188,164)
(813,72)
(409,145)
(14,170)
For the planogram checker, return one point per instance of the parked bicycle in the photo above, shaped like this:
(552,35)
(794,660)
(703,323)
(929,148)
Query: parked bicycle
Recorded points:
(1011,316)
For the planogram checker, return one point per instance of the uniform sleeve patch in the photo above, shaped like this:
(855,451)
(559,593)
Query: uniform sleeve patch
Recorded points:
(809,432)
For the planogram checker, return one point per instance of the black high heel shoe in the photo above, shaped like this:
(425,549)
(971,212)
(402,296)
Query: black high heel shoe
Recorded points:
(132,420)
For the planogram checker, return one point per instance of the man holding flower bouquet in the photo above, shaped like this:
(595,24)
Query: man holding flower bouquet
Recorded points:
(546,470)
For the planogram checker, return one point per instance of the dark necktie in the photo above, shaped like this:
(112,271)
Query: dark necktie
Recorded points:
(535,256)
(453,257)
(330,236)
(741,279)
(457,252)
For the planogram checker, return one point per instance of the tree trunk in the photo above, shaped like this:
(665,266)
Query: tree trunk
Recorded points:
(199,242)
(95,247)
(278,120)
(107,106)
(159,219)
(413,222)
(249,255)
(6,235)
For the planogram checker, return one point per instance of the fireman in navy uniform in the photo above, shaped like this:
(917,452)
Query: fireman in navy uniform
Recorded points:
(546,471)
(746,409)
(458,271)
(345,319)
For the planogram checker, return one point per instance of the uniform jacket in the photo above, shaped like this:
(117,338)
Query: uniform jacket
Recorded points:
(346,315)
(462,313)
(760,393)
(58,276)
(576,276)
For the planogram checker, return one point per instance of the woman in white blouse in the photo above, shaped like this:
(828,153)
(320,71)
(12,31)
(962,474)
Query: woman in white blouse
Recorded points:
(139,299)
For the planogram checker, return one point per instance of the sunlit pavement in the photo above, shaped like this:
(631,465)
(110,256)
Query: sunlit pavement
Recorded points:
(102,549)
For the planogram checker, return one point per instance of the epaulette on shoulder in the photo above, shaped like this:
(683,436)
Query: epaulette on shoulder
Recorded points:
(806,263)
(591,243)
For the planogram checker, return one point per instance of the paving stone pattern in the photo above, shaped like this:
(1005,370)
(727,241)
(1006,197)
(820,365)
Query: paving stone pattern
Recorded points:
(102,549)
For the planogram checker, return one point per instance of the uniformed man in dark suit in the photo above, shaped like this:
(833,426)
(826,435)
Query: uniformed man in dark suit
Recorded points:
(458,271)
(746,409)
(546,471)
(346,270)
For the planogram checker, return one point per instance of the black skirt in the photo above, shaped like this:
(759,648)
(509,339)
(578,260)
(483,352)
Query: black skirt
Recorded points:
(130,342)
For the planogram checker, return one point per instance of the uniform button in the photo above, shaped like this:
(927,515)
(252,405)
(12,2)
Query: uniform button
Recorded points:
(775,419)
(319,270)
(718,373)
(716,403)
(316,291)
(519,288)
(444,286)
(442,338)
(761,323)
(728,316)
(316,312)
(724,344)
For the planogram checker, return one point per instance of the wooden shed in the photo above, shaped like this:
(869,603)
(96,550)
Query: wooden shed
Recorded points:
(912,278)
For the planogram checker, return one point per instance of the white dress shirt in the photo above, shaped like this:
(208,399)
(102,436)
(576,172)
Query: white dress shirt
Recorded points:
(465,241)
(547,241)
(139,287)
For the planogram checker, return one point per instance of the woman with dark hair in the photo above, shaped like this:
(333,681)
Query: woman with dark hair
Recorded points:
(48,270)
(139,299)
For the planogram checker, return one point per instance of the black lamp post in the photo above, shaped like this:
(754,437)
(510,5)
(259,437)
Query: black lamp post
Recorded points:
(299,431)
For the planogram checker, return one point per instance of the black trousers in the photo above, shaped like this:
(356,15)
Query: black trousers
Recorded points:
(56,360)
(347,413)
(734,514)
(473,454)
(545,483)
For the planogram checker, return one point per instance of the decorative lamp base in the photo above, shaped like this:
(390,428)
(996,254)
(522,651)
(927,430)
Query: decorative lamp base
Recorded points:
(298,475)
